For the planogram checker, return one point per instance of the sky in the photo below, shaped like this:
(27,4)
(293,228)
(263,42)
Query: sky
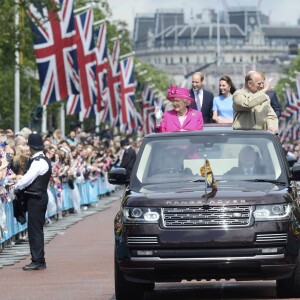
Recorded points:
(280,12)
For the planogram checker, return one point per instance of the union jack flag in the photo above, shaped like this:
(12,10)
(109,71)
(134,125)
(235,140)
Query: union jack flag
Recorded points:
(86,58)
(291,105)
(88,113)
(103,114)
(113,82)
(73,106)
(101,66)
(55,51)
(148,109)
(128,111)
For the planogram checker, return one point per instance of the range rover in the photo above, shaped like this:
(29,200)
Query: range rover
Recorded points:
(177,222)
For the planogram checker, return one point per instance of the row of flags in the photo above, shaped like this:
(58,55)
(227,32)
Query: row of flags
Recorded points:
(289,121)
(74,65)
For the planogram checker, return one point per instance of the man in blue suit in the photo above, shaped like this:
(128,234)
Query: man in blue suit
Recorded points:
(203,98)
(273,98)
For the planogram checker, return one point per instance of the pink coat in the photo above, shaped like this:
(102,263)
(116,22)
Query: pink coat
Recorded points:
(170,121)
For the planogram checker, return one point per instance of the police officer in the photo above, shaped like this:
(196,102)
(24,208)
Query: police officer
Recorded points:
(128,158)
(34,187)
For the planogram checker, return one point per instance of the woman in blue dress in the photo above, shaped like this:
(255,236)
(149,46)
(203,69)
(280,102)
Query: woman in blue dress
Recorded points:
(222,104)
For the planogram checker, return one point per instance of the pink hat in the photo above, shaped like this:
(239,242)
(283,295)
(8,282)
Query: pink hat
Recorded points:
(178,92)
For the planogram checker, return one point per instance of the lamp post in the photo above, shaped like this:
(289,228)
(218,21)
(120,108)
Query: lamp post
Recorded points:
(17,73)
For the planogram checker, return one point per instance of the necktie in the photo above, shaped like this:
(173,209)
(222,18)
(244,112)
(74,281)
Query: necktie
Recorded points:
(198,100)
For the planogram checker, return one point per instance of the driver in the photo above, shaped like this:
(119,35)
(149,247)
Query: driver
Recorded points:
(248,163)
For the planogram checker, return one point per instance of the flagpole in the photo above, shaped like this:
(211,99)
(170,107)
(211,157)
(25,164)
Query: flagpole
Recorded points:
(100,22)
(127,55)
(44,119)
(17,75)
(115,38)
(62,119)
(205,172)
(142,73)
(78,10)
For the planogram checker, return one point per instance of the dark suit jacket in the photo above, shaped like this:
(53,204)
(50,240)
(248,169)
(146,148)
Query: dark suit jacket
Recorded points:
(207,105)
(128,160)
(274,103)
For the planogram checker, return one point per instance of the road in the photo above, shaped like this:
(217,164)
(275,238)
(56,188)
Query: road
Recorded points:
(79,254)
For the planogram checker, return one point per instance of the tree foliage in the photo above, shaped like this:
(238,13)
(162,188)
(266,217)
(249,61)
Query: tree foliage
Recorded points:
(288,79)
(20,38)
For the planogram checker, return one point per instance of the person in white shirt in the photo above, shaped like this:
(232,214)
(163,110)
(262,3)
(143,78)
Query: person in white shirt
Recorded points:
(33,185)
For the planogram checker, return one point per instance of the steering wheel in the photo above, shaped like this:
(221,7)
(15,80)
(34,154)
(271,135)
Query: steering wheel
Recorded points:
(170,171)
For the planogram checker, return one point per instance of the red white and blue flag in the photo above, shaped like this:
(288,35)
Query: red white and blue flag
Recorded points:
(101,67)
(148,109)
(73,106)
(55,51)
(103,114)
(113,83)
(86,58)
(127,109)
(84,102)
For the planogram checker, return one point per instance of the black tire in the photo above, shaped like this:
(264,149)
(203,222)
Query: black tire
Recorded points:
(289,287)
(126,290)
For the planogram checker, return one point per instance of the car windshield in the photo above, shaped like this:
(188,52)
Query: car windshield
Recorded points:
(178,159)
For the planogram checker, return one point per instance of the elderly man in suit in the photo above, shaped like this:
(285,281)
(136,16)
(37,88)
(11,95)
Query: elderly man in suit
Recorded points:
(251,105)
(203,98)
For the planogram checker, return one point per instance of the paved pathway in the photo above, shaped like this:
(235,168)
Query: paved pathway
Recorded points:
(79,259)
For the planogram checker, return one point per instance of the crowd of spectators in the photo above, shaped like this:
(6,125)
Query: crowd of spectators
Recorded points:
(74,158)
(292,150)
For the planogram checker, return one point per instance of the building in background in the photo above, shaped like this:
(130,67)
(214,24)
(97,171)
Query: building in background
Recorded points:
(233,42)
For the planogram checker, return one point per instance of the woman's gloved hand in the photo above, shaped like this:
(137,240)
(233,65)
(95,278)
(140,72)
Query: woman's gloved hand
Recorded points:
(158,115)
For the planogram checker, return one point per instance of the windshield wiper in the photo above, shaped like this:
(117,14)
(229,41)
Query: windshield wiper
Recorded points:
(197,180)
(265,180)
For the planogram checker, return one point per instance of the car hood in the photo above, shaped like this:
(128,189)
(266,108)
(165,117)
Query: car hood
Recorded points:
(241,192)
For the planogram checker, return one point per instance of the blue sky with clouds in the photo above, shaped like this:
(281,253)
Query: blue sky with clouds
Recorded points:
(280,12)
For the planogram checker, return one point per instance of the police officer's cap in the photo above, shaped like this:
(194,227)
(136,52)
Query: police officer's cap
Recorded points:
(124,142)
(35,141)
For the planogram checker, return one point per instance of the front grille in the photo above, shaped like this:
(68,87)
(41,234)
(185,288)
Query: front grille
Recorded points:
(142,240)
(215,216)
(271,238)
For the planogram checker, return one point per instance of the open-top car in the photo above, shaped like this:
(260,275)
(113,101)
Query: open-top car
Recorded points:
(193,210)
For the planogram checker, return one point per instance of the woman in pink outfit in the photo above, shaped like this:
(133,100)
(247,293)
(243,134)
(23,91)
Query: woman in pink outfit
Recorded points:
(181,117)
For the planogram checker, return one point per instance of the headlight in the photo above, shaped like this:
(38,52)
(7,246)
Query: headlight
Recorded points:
(272,212)
(140,215)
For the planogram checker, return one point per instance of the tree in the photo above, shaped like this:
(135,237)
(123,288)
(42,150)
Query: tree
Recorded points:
(21,39)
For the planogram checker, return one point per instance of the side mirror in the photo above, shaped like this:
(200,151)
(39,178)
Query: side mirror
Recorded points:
(295,169)
(291,161)
(118,176)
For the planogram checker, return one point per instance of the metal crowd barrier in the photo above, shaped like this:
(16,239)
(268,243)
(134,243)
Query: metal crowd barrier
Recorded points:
(89,193)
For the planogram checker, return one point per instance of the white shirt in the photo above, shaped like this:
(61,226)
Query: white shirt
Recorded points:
(37,168)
